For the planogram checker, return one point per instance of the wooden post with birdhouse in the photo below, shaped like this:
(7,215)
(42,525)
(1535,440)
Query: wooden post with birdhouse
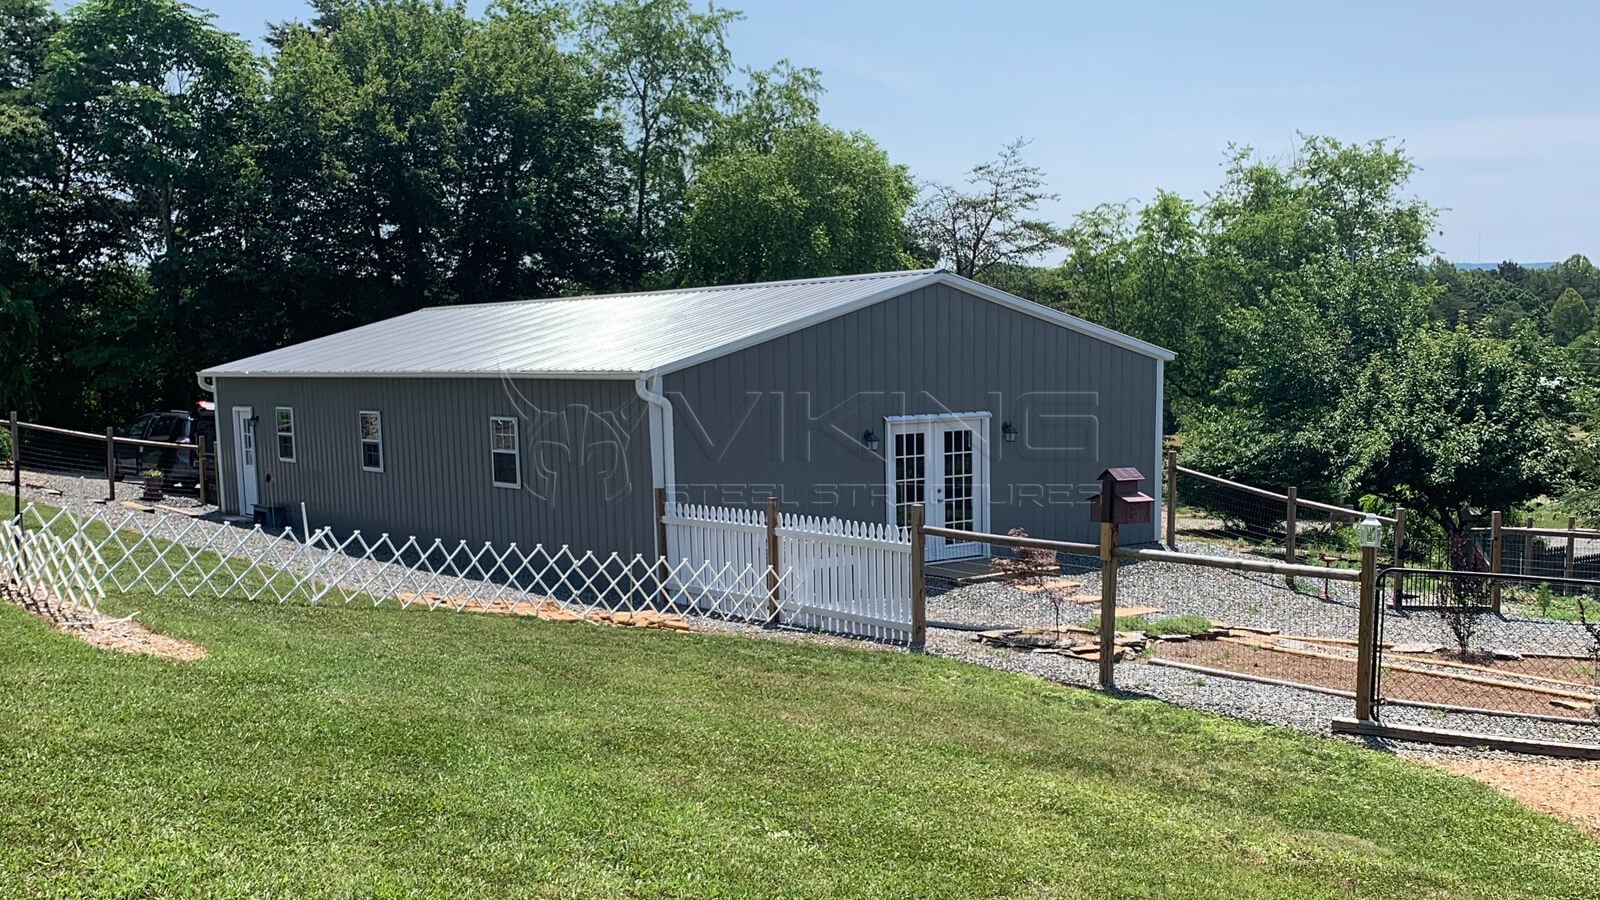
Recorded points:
(1119,502)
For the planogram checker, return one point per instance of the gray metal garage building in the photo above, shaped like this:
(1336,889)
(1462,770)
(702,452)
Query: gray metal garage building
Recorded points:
(550,421)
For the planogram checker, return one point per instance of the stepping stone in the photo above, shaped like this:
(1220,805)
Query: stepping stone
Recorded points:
(1124,612)
(191,513)
(1417,647)
(1060,584)
(137,507)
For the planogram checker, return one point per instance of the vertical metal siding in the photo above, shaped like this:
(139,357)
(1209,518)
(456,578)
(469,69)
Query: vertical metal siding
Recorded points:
(437,479)
(933,350)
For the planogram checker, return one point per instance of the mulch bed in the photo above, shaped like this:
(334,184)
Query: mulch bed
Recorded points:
(1341,674)
(1568,789)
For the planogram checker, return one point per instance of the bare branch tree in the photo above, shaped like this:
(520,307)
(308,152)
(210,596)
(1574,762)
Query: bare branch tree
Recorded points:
(988,224)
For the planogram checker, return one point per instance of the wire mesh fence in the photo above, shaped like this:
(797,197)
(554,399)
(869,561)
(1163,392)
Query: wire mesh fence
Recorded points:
(1199,614)
(54,460)
(1457,639)
(1212,514)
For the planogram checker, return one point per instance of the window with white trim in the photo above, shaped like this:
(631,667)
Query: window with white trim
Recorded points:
(285,416)
(371,441)
(505,455)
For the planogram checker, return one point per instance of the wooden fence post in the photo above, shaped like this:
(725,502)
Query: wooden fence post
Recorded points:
(919,592)
(1399,560)
(1172,499)
(1293,505)
(1527,550)
(1566,568)
(1367,635)
(772,557)
(200,455)
(16,466)
(111,464)
(1108,605)
(1496,539)
(662,566)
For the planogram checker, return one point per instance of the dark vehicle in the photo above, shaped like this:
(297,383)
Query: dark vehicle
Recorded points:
(180,466)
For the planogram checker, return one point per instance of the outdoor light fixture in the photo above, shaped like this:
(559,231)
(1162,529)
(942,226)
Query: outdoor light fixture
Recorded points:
(1010,432)
(1371,531)
(871,440)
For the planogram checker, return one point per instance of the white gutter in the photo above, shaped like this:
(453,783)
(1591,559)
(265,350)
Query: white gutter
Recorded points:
(663,462)
(208,383)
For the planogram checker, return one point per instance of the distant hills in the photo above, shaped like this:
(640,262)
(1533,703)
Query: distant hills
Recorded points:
(1535,265)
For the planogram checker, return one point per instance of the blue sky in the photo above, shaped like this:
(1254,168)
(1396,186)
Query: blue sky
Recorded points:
(1499,103)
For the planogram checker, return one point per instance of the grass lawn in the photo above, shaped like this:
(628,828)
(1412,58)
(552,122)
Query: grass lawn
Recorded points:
(353,752)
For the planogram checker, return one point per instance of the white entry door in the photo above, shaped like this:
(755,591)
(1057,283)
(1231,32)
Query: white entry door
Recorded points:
(244,457)
(941,462)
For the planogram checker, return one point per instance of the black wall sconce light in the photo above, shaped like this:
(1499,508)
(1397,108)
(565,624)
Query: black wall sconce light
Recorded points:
(871,440)
(1009,432)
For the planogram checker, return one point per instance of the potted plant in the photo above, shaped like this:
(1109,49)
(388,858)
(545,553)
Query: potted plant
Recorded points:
(154,482)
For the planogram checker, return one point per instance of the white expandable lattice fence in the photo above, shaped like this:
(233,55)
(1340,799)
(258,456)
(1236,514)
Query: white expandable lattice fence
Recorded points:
(79,556)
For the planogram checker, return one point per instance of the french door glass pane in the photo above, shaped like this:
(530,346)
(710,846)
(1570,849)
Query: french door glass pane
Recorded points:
(910,472)
(958,480)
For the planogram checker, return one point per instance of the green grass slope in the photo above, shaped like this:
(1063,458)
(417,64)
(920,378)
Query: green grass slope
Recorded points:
(333,752)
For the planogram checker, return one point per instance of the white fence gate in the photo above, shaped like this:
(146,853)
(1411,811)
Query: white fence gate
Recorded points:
(849,577)
(842,576)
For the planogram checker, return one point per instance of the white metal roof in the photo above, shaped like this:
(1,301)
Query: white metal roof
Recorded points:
(611,335)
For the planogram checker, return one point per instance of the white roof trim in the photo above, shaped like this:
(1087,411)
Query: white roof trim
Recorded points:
(993,295)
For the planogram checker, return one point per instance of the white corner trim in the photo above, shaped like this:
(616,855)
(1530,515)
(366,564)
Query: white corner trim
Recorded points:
(1155,479)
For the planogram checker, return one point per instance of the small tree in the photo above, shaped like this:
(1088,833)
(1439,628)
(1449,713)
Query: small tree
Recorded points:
(1465,595)
(990,225)
(1031,560)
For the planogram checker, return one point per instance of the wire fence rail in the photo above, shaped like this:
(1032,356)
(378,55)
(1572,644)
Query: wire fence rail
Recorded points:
(1209,510)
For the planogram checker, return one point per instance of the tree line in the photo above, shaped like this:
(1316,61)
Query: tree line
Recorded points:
(173,199)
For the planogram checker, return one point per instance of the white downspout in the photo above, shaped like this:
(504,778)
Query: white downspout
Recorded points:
(208,383)
(663,462)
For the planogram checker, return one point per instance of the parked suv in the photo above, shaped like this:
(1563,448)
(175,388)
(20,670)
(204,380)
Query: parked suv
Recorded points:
(180,465)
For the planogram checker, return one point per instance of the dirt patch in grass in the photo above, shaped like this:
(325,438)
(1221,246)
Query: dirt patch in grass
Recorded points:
(1567,789)
(1341,674)
(121,635)
(128,636)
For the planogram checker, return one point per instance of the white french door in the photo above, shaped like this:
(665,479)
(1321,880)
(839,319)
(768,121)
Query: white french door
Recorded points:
(941,462)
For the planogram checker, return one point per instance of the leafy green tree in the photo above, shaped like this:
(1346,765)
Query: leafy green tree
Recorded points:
(822,202)
(772,102)
(664,68)
(991,222)
(1315,269)
(25,148)
(423,156)
(1458,420)
(1570,316)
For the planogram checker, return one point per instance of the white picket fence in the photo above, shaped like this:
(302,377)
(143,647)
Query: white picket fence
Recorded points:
(845,576)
